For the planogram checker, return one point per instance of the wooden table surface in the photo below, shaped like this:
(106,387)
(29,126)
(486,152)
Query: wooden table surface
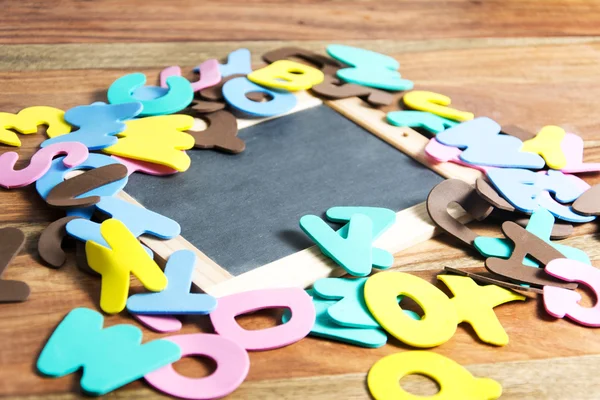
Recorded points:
(523,62)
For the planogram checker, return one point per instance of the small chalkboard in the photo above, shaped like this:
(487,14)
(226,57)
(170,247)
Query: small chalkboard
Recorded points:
(243,210)
(239,213)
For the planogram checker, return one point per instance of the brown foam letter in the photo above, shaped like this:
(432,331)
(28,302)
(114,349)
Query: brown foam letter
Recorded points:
(64,194)
(526,243)
(11,242)
(589,202)
(204,107)
(334,88)
(50,243)
(221,133)
(490,194)
(456,191)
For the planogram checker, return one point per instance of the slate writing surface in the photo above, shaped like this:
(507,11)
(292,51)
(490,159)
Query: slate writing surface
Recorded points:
(243,210)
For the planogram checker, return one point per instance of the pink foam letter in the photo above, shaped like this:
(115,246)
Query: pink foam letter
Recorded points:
(159,323)
(232,361)
(210,75)
(563,302)
(144,167)
(442,153)
(294,299)
(572,147)
(40,163)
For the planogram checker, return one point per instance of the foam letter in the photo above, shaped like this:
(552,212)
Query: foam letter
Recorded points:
(456,191)
(351,310)
(176,298)
(442,153)
(486,146)
(352,253)
(369,68)
(439,320)
(526,243)
(420,119)
(98,124)
(527,190)
(139,220)
(238,62)
(455,381)
(110,357)
(159,323)
(572,147)
(58,172)
(154,99)
(287,75)
(326,328)
(76,153)
(540,224)
(333,88)
(475,304)
(50,242)
(232,361)
(547,143)
(27,121)
(435,103)
(235,90)
(144,167)
(11,242)
(563,302)
(158,140)
(209,75)
(64,195)
(294,299)
(125,256)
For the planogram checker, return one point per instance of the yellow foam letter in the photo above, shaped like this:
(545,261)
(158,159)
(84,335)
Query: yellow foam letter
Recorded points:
(475,304)
(125,256)
(27,121)
(436,326)
(158,140)
(435,103)
(287,75)
(454,380)
(547,144)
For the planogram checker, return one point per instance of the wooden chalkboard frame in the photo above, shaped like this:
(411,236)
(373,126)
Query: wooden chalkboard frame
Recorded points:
(303,268)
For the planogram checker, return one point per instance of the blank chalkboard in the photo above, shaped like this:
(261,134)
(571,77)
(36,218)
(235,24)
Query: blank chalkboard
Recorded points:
(243,210)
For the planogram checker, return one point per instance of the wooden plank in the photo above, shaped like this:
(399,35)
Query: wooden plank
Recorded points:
(554,378)
(37,57)
(109,21)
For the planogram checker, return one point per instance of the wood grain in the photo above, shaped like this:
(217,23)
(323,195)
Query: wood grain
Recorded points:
(35,57)
(528,63)
(72,21)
